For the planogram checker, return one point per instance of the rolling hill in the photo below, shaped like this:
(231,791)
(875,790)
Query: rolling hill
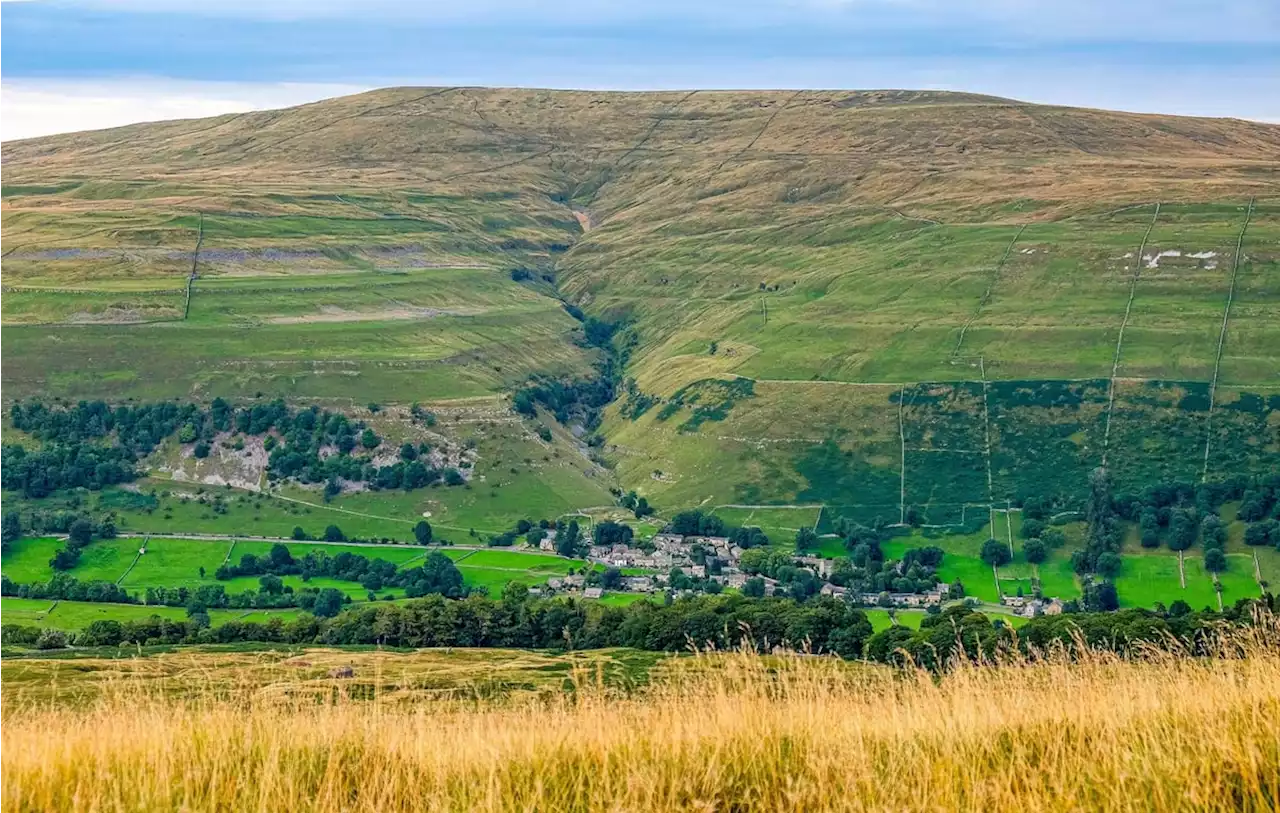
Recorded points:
(874,301)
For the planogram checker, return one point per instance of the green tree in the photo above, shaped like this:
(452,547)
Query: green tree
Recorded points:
(369,439)
(271,585)
(1108,564)
(333,533)
(408,452)
(80,533)
(328,603)
(1031,528)
(1215,561)
(567,539)
(1053,538)
(1035,550)
(1213,533)
(806,539)
(753,588)
(995,553)
(201,450)
(422,532)
(10,527)
(1182,529)
(298,533)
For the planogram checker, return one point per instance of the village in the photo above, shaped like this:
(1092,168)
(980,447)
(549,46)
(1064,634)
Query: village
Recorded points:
(716,560)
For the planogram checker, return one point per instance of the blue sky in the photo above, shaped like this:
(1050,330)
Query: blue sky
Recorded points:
(78,64)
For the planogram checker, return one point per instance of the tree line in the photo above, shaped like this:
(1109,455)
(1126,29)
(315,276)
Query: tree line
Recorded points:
(824,625)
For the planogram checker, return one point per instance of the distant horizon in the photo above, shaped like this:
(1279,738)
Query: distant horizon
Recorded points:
(73,65)
(230,106)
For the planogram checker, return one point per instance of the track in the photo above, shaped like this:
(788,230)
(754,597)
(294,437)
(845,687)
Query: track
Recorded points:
(986,296)
(195,263)
(1128,309)
(1222,338)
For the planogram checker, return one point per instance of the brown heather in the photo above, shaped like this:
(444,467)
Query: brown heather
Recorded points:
(739,731)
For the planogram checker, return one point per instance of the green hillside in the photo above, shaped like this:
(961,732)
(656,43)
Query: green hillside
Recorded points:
(938,301)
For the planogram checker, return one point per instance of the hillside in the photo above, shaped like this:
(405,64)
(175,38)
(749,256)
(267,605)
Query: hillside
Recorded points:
(938,299)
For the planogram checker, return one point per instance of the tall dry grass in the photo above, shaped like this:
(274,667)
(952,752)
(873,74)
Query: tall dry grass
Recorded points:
(733,732)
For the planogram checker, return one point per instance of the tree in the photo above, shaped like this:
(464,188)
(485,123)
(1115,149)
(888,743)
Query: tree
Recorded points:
(1035,551)
(995,553)
(51,639)
(1149,524)
(643,509)
(1182,529)
(1101,597)
(753,588)
(1213,533)
(65,559)
(1053,538)
(1215,561)
(611,533)
(106,528)
(271,585)
(1031,528)
(422,532)
(611,579)
(332,488)
(369,439)
(80,533)
(333,533)
(201,450)
(453,477)
(408,452)
(280,557)
(11,527)
(806,539)
(567,539)
(1262,533)
(1108,564)
(328,603)
(298,533)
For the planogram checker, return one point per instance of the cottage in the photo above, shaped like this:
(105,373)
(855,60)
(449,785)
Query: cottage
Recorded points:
(547,544)
(830,589)
(817,564)
(1054,607)
(638,584)
(593,592)
(735,580)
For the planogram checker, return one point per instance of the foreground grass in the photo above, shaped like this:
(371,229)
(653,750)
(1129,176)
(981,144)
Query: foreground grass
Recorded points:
(715,732)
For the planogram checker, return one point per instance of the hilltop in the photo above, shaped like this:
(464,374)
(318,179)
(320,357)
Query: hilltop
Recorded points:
(870,301)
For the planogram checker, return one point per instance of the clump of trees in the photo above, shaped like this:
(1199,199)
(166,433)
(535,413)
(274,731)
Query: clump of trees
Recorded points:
(437,574)
(92,445)
(79,534)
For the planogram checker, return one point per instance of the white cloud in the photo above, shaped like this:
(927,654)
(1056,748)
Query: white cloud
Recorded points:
(34,107)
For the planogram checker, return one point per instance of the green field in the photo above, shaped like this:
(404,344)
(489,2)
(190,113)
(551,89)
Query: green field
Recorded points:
(76,615)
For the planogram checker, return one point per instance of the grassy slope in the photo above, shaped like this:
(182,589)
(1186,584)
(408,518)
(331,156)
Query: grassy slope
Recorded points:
(363,251)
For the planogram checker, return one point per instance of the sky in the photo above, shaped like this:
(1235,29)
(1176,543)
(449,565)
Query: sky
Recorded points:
(69,65)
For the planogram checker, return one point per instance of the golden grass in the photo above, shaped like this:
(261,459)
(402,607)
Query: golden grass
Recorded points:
(732,732)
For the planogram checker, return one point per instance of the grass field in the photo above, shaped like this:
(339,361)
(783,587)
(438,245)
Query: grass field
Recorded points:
(177,562)
(720,731)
